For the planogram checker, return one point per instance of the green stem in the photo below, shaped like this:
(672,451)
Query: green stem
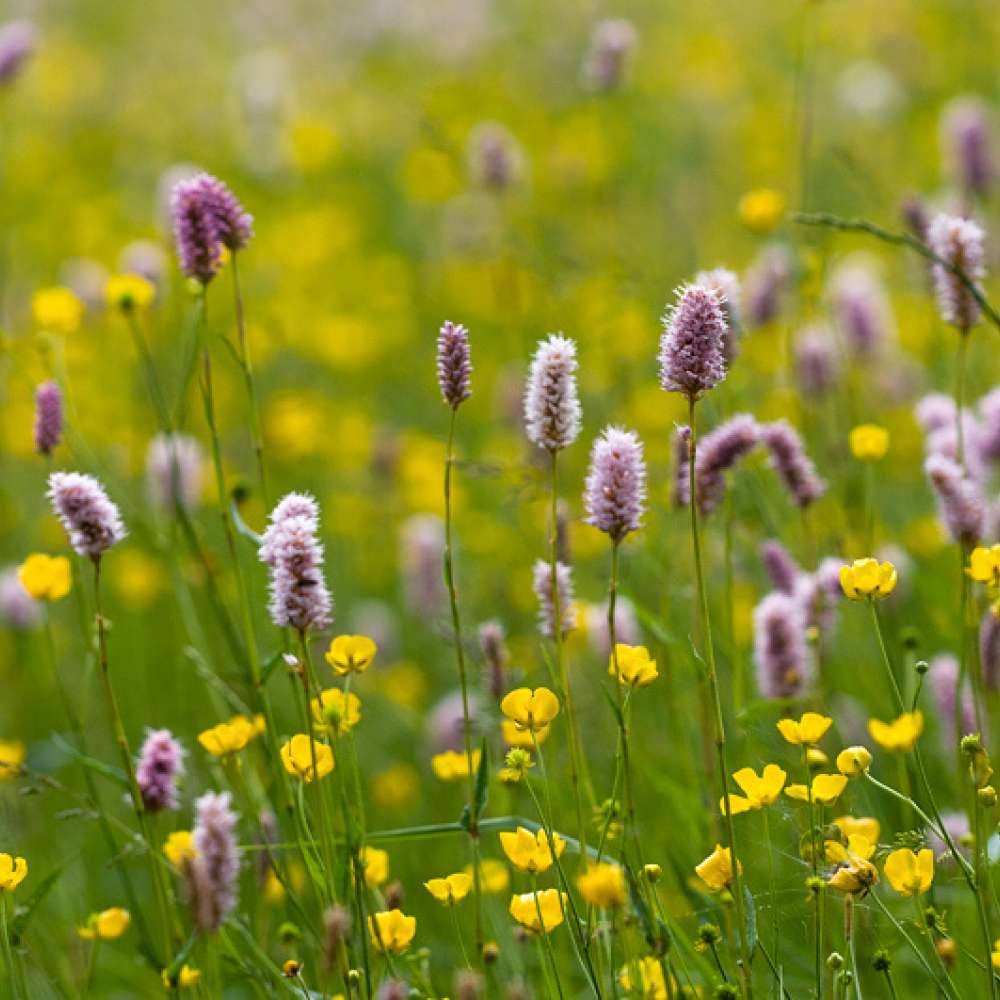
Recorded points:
(156,874)
(246,365)
(456,625)
(719,729)
(572,730)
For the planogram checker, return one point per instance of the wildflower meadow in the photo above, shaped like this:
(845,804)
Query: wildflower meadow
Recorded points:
(499,500)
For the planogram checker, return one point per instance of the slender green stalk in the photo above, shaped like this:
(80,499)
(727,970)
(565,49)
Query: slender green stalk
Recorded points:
(772,887)
(971,877)
(718,726)
(456,625)
(963,353)
(814,861)
(913,947)
(156,875)
(78,731)
(15,973)
(247,366)
(572,730)
(545,934)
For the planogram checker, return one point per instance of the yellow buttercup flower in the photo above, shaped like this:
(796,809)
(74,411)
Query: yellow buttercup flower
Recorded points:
(450,890)
(908,873)
(602,885)
(452,766)
(807,731)
(376,865)
(716,871)
(106,925)
(864,826)
(854,761)
(57,310)
(12,872)
(869,442)
(857,845)
(530,852)
(984,565)
(532,710)
(178,846)
(868,579)
(762,209)
(900,735)
(826,788)
(12,754)
(635,668)
(758,791)
(351,654)
(46,578)
(520,739)
(494,878)
(855,874)
(649,981)
(392,930)
(995,957)
(549,902)
(228,738)
(187,978)
(128,292)
(299,753)
(337,710)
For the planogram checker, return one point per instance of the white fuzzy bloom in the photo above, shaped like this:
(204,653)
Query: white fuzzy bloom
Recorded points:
(551,405)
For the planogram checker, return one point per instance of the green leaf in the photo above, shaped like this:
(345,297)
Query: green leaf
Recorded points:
(481,788)
(751,918)
(269,667)
(113,774)
(19,925)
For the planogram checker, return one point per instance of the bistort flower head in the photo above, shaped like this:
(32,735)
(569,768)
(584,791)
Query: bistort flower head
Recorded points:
(718,453)
(161,762)
(960,501)
(959,242)
(290,546)
(780,650)
(174,471)
(215,867)
(616,483)
(789,460)
(969,144)
(48,426)
(610,44)
(692,359)
(546,598)
(453,366)
(551,405)
(17,44)
(91,521)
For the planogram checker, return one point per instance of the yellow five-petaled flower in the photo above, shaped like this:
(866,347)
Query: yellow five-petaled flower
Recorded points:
(635,668)
(826,788)
(450,891)
(106,925)
(531,852)
(757,791)
(716,871)
(12,872)
(867,579)
(869,442)
(855,873)
(392,930)
(532,710)
(602,885)
(46,578)
(230,737)
(908,873)
(539,911)
(351,654)
(807,731)
(984,565)
(900,735)
(307,758)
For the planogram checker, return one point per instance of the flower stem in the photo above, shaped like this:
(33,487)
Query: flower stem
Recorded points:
(572,731)
(456,627)
(719,729)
